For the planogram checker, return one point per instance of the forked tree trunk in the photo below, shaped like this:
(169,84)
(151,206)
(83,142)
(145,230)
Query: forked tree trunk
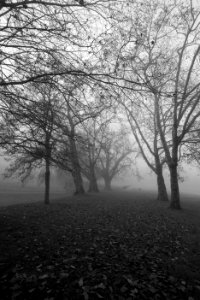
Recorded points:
(172,158)
(175,195)
(93,186)
(47,182)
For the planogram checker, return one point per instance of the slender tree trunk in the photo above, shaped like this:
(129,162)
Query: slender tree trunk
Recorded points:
(47,181)
(162,191)
(107,181)
(175,195)
(93,186)
(76,173)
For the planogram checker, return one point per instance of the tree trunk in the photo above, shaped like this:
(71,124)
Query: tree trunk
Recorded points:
(78,182)
(76,173)
(162,191)
(175,196)
(107,184)
(47,181)
(93,187)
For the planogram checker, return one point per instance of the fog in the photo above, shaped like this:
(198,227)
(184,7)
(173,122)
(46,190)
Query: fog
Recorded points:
(190,174)
(14,191)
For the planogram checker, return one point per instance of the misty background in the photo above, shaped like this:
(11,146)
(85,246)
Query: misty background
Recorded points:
(12,189)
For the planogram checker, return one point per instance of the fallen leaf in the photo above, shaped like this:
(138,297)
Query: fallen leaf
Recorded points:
(80,282)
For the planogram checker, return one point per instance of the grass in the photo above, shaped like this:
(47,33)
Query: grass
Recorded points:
(107,246)
(17,194)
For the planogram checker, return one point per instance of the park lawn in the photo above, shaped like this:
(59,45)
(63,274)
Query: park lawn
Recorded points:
(107,246)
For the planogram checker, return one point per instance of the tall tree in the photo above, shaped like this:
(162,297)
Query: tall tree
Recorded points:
(70,116)
(144,129)
(33,138)
(184,91)
(165,70)
(82,106)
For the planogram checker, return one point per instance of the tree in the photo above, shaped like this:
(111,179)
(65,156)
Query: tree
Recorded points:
(94,132)
(67,120)
(82,106)
(44,41)
(73,113)
(185,93)
(36,35)
(136,59)
(41,41)
(166,71)
(144,128)
(32,141)
(115,155)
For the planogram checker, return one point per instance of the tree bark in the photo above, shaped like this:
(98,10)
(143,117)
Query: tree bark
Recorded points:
(172,159)
(107,184)
(162,191)
(175,195)
(93,186)
(78,182)
(47,181)
(76,172)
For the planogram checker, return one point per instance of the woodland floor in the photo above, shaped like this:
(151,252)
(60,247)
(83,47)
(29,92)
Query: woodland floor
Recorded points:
(106,246)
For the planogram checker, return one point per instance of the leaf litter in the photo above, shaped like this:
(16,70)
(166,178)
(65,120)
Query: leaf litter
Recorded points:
(98,248)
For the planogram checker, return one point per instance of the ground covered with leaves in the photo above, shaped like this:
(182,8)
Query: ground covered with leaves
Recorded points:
(109,246)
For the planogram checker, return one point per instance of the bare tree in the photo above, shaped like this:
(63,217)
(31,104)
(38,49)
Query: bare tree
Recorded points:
(70,117)
(115,155)
(36,35)
(33,139)
(144,129)
(185,92)
(93,135)
(161,53)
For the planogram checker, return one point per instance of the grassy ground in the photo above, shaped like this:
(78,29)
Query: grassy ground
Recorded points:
(106,246)
(16,193)
(18,197)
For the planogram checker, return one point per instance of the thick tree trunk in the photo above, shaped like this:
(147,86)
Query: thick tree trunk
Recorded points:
(107,182)
(93,187)
(78,182)
(47,182)
(162,191)
(175,196)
